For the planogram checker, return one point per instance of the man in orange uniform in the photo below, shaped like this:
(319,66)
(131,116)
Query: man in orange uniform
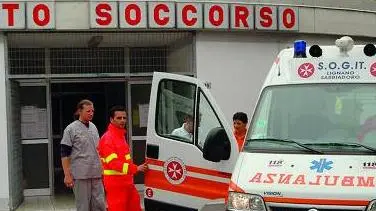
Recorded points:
(118,168)
(240,121)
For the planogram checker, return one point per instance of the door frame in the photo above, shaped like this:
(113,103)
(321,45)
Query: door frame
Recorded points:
(42,191)
(71,80)
(140,187)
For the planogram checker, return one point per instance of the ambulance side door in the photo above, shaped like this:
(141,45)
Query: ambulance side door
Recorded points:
(190,165)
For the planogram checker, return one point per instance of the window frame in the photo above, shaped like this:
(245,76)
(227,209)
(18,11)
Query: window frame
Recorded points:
(197,113)
(158,107)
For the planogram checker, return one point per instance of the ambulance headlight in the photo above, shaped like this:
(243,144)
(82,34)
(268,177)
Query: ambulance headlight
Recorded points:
(245,202)
(372,206)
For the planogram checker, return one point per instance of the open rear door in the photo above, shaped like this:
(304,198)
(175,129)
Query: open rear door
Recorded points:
(191,151)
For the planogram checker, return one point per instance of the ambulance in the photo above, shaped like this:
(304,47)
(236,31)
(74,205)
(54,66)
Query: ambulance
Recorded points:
(310,146)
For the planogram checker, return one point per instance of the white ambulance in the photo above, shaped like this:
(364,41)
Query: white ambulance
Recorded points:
(311,143)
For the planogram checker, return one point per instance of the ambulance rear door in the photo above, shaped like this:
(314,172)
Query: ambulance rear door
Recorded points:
(190,163)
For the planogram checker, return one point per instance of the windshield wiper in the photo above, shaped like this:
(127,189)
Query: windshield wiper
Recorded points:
(351,144)
(285,141)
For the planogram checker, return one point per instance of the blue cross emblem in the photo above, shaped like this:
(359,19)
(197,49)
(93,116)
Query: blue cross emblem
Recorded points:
(321,165)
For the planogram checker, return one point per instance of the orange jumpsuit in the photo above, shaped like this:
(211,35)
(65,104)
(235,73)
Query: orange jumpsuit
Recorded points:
(240,137)
(118,171)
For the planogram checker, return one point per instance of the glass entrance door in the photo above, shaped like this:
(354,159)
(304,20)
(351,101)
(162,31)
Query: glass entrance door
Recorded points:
(35,138)
(138,108)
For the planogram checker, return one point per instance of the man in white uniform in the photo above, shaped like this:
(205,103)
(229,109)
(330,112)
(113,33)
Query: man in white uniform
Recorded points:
(81,162)
(186,130)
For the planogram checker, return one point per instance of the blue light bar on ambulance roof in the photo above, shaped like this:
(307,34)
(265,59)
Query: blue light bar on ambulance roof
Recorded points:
(300,47)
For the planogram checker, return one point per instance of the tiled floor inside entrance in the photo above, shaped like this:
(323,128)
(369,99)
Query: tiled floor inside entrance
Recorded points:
(51,203)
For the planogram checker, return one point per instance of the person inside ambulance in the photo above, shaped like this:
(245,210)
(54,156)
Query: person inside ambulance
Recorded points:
(186,130)
(367,129)
(240,121)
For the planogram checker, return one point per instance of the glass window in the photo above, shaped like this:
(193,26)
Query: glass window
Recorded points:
(175,110)
(33,112)
(321,116)
(207,120)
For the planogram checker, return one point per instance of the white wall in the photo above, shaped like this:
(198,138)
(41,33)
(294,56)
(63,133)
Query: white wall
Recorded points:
(236,66)
(179,59)
(4,184)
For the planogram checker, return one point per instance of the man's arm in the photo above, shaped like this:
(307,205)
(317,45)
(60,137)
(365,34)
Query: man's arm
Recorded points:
(66,163)
(66,151)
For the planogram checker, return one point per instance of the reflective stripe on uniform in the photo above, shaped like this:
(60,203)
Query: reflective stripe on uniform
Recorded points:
(112,172)
(127,156)
(111,157)
(125,168)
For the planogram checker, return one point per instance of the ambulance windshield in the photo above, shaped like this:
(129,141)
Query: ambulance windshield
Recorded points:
(339,118)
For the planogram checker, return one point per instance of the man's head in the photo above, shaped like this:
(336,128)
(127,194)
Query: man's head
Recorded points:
(188,123)
(240,121)
(118,116)
(85,110)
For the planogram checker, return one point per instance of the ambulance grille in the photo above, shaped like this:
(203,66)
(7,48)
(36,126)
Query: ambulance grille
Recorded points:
(303,209)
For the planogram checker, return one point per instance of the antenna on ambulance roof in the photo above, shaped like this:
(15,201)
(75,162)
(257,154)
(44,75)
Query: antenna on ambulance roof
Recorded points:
(345,44)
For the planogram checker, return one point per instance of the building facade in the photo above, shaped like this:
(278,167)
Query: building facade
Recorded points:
(54,53)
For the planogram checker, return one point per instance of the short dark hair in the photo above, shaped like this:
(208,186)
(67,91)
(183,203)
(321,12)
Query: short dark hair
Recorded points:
(188,118)
(240,116)
(116,108)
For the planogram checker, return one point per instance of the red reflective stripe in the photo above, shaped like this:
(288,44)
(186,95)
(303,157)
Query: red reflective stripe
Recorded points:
(154,162)
(191,186)
(317,201)
(195,169)
(236,188)
(209,172)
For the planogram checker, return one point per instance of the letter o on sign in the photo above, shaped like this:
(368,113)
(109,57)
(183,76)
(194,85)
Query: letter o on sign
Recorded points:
(216,16)
(288,18)
(133,15)
(41,15)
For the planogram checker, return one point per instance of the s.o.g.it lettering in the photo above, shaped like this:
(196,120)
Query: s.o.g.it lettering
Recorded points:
(341,70)
(357,65)
(318,180)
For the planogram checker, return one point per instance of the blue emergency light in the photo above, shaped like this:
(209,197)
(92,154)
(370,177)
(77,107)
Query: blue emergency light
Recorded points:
(300,47)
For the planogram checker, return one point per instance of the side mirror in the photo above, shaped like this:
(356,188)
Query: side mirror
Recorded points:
(217,145)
